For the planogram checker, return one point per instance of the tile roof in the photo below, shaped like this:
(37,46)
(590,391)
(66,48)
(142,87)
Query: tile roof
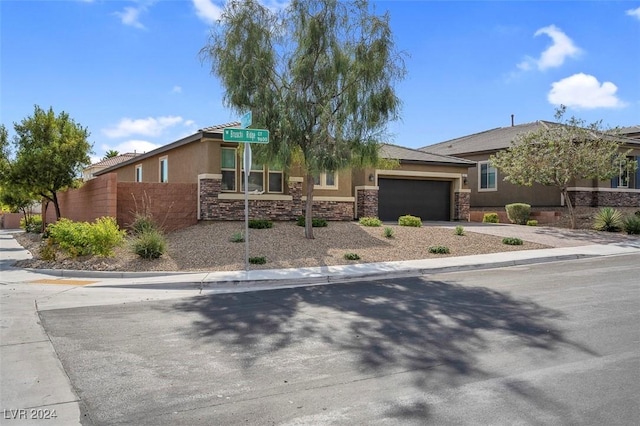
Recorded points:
(407,154)
(108,162)
(489,140)
(219,127)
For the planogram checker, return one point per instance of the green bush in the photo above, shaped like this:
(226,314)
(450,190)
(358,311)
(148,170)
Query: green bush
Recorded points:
(142,223)
(459,230)
(48,250)
(33,224)
(631,225)
(72,237)
(490,218)
(150,244)
(237,237)
(260,223)
(388,232)
(439,249)
(370,221)
(316,222)
(351,256)
(511,241)
(258,260)
(608,219)
(532,222)
(408,220)
(518,212)
(105,236)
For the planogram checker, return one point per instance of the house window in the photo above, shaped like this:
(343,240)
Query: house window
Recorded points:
(487,177)
(326,180)
(256,178)
(623,176)
(164,169)
(229,169)
(275,180)
(139,173)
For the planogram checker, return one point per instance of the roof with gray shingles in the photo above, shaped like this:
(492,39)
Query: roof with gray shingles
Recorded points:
(108,162)
(489,140)
(407,154)
(497,139)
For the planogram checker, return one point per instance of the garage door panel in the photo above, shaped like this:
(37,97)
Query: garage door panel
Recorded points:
(428,199)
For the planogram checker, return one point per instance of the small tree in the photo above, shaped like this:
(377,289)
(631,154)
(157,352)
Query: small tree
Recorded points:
(558,154)
(318,74)
(50,153)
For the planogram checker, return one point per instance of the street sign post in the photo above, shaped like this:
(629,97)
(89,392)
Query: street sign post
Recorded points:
(245,135)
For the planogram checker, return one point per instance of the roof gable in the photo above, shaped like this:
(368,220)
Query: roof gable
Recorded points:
(408,154)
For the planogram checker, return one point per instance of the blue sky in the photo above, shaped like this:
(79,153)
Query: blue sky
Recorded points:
(130,70)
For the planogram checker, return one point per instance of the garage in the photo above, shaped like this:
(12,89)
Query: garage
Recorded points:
(427,199)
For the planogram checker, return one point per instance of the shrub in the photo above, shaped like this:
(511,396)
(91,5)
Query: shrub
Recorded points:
(237,237)
(105,236)
(351,256)
(607,219)
(316,222)
(637,213)
(142,223)
(408,220)
(260,223)
(631,225)
(439,249)
(511,241)
(32,224)
(490,218)
(71,237)
(518,212)
(532,222)
(370,221)
(149,245)
(258,260)
(48,251)
(388,232)
(459,230)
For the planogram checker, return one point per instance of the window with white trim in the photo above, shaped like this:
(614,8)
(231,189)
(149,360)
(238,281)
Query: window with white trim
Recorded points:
(326,180)
(275,180)
(164,169)
(623,175)
(139,173)
(229,169)
(487,177)
(256,177)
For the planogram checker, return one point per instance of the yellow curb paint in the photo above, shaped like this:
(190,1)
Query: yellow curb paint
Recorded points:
(62,282)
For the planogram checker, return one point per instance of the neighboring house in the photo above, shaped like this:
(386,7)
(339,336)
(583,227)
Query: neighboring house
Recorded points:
(427,185)
(89,172)
(489,190)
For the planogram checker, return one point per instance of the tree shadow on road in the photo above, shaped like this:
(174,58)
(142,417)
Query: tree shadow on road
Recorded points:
(436,330)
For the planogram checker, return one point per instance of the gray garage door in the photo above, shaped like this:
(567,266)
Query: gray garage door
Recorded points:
(428,199)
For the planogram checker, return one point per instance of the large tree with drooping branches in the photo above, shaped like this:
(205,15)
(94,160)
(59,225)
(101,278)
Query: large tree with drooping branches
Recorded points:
(318,74)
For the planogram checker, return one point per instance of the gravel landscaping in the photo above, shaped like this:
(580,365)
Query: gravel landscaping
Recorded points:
(207,246)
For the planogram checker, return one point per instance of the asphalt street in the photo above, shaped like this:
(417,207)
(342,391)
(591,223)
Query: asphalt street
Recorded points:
(554,343)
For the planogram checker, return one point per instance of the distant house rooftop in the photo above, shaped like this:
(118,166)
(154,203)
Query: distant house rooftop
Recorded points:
(88,173)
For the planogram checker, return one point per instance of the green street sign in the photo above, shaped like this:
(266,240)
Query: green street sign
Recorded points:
(245,135)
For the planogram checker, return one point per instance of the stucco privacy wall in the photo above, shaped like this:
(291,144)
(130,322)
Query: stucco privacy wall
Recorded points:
(172,205)
(94,199)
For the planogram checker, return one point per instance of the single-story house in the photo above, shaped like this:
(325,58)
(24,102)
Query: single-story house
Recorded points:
(489,190)
(424,184)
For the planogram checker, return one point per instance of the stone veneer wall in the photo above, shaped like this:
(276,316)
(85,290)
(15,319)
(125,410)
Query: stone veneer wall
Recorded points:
(214,208)
(367,202)
(605,198)
(462,203)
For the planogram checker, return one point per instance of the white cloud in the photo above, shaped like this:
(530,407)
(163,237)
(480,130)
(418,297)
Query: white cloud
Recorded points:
(130,16)
(634,12)
(176,89)
(584,91)
(208,11)
(133,145)
(555,55)
(149,126)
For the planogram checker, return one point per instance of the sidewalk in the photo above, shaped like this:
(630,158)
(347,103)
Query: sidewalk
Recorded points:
(32,376)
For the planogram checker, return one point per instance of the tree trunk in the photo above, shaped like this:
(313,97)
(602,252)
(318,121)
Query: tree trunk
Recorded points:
(572,214)
(56,205)
(44,216)
(308,212)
